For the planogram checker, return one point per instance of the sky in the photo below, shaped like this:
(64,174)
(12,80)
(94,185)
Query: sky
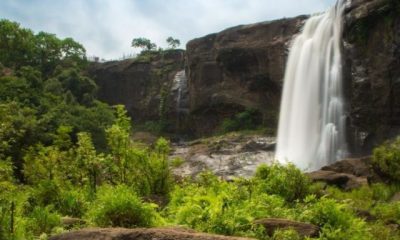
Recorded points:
(107,27)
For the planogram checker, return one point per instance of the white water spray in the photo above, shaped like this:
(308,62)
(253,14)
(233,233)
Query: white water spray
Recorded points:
(311,131)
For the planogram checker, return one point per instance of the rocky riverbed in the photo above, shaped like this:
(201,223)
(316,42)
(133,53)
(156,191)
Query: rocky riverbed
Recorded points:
(232,155)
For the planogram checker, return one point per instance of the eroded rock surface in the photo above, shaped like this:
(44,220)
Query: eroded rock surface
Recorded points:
(372,72)
(229,156)
(273,224)
(143,85)
(140,234)
(238,68)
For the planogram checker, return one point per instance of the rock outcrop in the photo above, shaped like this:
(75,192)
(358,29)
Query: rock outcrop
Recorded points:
(143,84)
(229,156)
(239,68)
(140,234)
(273,224)
(372,72)
(348,174)
(342,180)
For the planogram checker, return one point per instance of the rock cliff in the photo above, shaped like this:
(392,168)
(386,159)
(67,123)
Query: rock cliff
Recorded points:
(243,67)
(142,84)
(239,68)
(372,72)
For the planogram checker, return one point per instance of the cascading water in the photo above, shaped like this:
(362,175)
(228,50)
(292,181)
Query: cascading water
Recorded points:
(180,86)
(311,131)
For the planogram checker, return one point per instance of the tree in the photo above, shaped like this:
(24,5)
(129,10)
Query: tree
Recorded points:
(173,42)
(143,43)
(17,44)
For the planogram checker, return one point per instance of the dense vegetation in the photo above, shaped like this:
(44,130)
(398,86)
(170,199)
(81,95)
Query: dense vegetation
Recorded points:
(64,153)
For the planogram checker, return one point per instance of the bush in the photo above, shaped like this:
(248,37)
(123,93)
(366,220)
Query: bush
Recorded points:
(286,181)
(46,193)
(246,120)
(386,159)
(336,220)
(288,234)
(217,206)
(43,220)
(72,203)
(387,212)
(120,207)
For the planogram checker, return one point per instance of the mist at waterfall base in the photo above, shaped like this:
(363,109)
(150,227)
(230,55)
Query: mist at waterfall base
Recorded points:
(311,131)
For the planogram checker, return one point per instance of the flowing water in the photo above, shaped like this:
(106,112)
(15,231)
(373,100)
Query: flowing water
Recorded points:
(180,85)
(311,130)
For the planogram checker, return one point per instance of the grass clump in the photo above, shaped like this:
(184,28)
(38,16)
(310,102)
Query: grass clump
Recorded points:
(121,207)
(386,159)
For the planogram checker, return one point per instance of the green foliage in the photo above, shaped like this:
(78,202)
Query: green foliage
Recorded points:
(21,47)
(286,181)
(120,207)
(73,203)
(288,234)
(386,158)
(177,162)
(246,120)
(336,220)
(387,212)
(43,220)
(173,42)
(143,43)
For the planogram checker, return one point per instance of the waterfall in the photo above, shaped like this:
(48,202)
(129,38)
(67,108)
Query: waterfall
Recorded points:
(311,131)
(180,86)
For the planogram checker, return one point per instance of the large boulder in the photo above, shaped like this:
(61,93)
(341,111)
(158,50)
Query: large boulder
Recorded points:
(273,224)
(139,234)
(360,167)
(342,180)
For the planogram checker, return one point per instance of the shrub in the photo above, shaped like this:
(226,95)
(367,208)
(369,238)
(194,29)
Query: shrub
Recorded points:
(336,220)
(46,193)
(286,181)
(43,220)
(217,206)
(386,158)
(288,234)
(120,207)
(388,212)
(241,121)
(72,203)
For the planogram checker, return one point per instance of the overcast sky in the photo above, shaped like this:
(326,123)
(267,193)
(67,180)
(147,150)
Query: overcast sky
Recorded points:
(106,27)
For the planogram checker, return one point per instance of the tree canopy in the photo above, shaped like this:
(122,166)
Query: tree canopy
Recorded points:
(143,43)
(173,42)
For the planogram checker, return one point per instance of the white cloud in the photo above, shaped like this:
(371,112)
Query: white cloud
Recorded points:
(106,27)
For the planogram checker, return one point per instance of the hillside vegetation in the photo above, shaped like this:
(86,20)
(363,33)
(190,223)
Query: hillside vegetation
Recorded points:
(66,155)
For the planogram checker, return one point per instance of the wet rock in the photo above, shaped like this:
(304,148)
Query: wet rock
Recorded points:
(372,72)
(252,146)
(354,166)
(342,180)
(273,224)
(140,234)
(228,156)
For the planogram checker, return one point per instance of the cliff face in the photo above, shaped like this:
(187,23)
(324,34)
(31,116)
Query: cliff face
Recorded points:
(372,72)
(142,85)
(239,68)
(243,67)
